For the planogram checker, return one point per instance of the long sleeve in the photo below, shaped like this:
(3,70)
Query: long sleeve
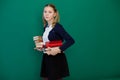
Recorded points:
(65,36)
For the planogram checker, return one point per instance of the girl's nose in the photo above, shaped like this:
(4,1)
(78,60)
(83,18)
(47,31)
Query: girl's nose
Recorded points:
(47,14)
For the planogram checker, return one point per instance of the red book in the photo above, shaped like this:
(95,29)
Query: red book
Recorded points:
(53,43)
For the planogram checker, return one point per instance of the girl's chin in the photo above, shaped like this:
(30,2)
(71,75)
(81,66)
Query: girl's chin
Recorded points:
(47,19)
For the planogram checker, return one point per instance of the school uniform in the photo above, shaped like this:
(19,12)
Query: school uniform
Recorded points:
(55,67)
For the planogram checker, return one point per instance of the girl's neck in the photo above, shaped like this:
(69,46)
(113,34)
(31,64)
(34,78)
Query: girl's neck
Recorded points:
(50,22)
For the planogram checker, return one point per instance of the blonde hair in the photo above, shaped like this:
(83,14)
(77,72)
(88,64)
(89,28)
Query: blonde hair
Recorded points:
(56,18)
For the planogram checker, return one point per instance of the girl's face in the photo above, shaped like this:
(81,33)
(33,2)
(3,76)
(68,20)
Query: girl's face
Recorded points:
(49,14)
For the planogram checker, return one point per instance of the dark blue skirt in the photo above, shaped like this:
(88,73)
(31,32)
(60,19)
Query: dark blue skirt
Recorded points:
(54,67)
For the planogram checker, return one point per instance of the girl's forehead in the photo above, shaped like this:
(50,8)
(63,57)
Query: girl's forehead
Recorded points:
(48,8)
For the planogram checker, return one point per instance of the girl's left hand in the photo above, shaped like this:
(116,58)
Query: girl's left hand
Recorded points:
(53,51)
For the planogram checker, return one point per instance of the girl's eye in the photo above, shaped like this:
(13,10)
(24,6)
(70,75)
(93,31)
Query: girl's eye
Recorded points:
(45,11)
(50,12)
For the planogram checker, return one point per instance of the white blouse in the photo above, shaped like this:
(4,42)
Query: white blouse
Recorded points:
(46,33)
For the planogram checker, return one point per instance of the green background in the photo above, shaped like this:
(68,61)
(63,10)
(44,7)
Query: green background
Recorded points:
(94,24)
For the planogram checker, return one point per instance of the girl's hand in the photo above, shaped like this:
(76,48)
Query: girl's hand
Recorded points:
(53,51)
